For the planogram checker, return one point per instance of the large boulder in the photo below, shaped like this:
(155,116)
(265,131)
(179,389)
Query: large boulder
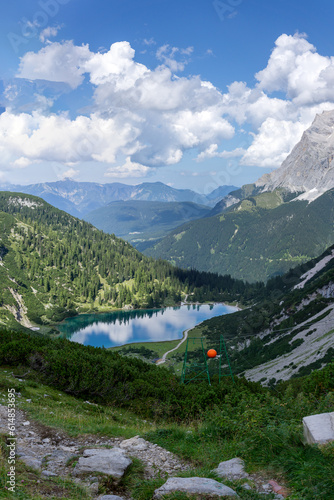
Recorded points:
(194,485)
(231,469)
(113,462)
(319,428)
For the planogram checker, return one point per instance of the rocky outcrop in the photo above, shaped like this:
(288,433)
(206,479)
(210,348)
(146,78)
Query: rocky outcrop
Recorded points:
(194,485)
(112,462)
(309,168)
(84,459)
(232,469)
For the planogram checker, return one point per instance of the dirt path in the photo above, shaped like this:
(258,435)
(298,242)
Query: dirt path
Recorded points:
(163,359)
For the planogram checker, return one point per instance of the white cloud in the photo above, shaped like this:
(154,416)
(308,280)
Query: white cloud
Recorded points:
(212,152)
(115,67)
(273,143)
(49,32)
(22,162)
(149,41)
(168,55)
(58,138)
(152,116)
(129,169)
(298,70)
(57,62)
(69,174)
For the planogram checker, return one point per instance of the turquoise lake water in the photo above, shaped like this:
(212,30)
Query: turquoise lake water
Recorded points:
(148,325)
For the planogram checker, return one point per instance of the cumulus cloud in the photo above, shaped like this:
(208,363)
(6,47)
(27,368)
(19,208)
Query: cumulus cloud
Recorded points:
(58,138)
(168,55)
(57,62)
(305,80)
(152,116)
(129,169)
(299,71)
(69,174)
(271,144)
(48,32)
(212,152)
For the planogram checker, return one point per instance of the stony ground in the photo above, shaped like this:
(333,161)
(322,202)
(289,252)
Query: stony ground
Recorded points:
(54,453)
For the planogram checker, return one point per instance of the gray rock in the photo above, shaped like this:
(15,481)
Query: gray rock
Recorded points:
(246,486)
(195,485)
(135,443)
(113,462)
(48,473)
(33,462)
(94,488)
(319,428)
(58,458)
(110,497)
(232,469)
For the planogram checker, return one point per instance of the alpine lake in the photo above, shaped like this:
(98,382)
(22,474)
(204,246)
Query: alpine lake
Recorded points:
(133,326)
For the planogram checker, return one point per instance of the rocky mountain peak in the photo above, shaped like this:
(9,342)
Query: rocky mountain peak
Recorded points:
(309,168)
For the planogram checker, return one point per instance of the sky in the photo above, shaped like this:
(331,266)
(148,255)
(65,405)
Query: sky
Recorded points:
(192,93)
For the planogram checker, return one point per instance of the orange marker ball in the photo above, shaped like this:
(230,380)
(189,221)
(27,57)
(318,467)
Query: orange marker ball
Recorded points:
(211,353)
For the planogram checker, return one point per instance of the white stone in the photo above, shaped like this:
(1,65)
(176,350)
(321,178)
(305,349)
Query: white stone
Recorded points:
(319,428)
(135,443)
(195,485)
(113,462)
(110,497)
(231,469)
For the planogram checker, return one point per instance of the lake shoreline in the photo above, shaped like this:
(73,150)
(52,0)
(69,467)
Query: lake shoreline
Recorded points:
(141,326)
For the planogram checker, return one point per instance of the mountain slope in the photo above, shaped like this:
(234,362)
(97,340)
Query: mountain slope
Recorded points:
(53,265)
(80,198)
(139,221)
(290,331)
(306,173)
(254,239)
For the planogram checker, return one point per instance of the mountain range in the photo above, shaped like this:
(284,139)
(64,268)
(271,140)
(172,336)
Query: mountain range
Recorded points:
(265,228)
(80,198)
(143,223)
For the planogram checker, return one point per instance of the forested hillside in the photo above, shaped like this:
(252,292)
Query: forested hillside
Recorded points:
(54,265)
(255,239)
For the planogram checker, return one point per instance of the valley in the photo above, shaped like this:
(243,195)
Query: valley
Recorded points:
(268,249)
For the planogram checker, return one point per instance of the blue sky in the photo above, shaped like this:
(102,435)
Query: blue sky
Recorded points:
(192,93)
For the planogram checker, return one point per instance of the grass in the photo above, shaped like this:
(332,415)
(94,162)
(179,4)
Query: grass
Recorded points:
(54,408)
(262,429)
(30,484)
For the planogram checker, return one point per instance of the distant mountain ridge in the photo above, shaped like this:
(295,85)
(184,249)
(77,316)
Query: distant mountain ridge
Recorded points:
(255,239)
(80,198)
(143,223)
(307,172)
(264,228)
